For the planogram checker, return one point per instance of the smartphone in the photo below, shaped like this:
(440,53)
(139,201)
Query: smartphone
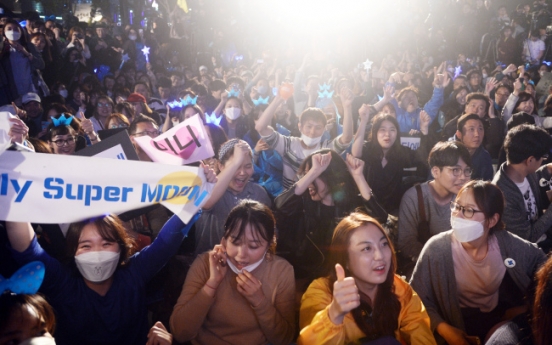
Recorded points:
(260,61)
(522,81)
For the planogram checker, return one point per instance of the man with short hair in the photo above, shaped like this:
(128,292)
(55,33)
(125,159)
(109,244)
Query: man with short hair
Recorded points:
(141,126)
(450,164)
(526,146)
(312,124)
(31,113)
(471,133)
(501,95)
(533,48)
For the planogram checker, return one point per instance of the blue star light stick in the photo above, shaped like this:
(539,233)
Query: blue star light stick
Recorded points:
(125,59)
(146,51)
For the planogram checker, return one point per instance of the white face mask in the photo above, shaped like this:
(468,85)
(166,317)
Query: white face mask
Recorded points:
(248,268)
(233,113)
(132,37)
(63,93)
(97,266)
(310,141)
(13,35)
(466,230)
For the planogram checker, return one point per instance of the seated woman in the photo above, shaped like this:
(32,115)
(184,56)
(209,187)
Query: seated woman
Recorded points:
(362,299)
(473,276)
(100,298)
(388,163)
(240,292)
(63,135)
(520,101)
(236,168)
(308,212)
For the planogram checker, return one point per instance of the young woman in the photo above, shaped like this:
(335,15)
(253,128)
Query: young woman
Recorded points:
(116,120)
(362,299)
(308,212)
(234,121)
(520,101)
(100,298)
(103,109)
(386,159)
(236,168)
(65,137)
(240,292)
(475,275)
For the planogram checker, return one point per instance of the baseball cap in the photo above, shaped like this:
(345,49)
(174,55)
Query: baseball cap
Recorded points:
(29,97)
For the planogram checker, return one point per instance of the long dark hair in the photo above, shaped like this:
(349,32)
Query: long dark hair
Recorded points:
(375,318)
(337,178)
(374,148)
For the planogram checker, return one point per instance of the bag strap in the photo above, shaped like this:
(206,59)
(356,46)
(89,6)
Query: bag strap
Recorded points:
(421,206)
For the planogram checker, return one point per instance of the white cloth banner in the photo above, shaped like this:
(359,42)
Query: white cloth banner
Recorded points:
(46,188)
(185,143)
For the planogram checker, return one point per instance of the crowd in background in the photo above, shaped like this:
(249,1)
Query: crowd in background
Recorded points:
(331,174)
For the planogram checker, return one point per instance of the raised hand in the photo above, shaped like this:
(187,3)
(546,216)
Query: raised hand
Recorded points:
(250,288)
(364,113)
(345,296)
(261,146)
(425,120)
(217,267)
(241,150)
(18,131)
(491,84)
(388,92)
(355,165)
(320,162)
(210,174)
(346,96)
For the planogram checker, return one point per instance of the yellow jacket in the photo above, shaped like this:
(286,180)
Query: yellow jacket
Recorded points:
(317,328)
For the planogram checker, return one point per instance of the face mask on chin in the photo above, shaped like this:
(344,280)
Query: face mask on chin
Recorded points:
(248,268)
(97,266)
(310,141)
(466,230)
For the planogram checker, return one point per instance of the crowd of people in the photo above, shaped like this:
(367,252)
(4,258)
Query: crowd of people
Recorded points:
(400,201)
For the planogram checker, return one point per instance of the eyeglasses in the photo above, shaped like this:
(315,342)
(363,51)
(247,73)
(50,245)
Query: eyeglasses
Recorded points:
(468,212)
(458,171)
(61,142)
(118,126)
(150,133)
(103,105)
(544,157)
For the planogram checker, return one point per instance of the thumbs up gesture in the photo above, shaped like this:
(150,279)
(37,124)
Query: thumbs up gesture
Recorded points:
(345,296)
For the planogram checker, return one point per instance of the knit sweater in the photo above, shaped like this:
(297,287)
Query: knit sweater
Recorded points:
(434,279)
(228,318)
(515,213)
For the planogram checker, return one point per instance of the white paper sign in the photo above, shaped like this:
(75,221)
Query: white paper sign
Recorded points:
(412,142)
(185,143)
